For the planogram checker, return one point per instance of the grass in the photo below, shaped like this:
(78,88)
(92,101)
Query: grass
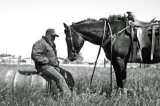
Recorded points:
(143,86)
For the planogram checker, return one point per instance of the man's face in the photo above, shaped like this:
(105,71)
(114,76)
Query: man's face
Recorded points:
(51,37)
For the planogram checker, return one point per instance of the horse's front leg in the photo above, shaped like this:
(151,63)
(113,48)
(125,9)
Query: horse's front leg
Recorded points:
(120,72)
(124,74)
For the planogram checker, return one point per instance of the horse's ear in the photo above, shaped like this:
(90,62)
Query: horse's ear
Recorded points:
(65,26)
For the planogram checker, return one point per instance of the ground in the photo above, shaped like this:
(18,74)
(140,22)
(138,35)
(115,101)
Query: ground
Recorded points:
(143,83)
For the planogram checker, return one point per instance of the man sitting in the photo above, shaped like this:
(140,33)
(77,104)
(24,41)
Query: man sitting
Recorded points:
(44,54)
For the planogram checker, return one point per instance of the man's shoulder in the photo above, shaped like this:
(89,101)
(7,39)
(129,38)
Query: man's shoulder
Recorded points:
(40,41)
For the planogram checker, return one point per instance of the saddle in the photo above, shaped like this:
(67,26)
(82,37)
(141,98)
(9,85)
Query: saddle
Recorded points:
(138,23)
(29,72)
(146,32)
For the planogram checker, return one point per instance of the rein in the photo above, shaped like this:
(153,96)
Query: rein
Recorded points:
(111,57)
(73,49)
(71,40)
(99,52)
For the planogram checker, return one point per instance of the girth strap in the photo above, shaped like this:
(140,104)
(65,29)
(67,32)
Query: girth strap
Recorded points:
(108,40)
(114,36)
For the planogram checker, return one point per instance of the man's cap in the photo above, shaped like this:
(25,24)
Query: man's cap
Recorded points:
(128,12)
(51,32)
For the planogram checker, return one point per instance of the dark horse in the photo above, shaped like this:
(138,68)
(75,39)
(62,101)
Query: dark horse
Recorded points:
(93,31)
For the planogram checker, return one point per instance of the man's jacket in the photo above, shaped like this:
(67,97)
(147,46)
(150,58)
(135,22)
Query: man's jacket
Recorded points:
(43,54)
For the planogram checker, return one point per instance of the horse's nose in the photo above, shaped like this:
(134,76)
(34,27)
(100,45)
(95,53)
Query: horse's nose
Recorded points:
(71,59)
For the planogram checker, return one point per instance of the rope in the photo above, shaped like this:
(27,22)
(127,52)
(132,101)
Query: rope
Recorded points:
(98,52)
(95,67)
(111,58)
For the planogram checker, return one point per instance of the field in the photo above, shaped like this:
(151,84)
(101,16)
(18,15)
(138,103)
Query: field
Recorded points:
(142,83)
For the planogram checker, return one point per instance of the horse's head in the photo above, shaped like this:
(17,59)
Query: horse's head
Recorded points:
(74,42)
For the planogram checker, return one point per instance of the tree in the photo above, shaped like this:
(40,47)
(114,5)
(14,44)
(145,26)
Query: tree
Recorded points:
(5,55)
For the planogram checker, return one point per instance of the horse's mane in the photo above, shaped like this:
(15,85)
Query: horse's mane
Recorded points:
(113,18)
(88,20)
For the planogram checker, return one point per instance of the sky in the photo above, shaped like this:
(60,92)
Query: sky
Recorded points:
(23,22)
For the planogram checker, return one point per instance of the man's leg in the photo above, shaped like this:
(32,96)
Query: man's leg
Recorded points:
(67,76)
(51,72)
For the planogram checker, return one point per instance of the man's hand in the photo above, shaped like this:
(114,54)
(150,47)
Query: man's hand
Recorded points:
(51,62)
(57,63)
(54,63)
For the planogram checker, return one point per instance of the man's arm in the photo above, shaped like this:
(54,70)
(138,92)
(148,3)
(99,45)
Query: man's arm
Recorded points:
(55,50)
(37,53)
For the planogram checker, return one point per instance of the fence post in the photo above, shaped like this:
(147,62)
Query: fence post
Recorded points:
(104,62)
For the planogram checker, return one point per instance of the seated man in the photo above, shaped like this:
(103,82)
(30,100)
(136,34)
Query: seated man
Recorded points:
(45,56)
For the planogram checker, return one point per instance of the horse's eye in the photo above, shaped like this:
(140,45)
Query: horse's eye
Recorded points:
(73,51)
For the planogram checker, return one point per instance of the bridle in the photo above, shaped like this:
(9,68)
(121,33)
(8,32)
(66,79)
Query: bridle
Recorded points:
(73,50)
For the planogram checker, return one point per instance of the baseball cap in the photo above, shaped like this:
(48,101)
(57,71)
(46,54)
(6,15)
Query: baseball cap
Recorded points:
(51,32)
(129,12)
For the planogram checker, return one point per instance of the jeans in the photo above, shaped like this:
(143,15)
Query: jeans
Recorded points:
(52,73)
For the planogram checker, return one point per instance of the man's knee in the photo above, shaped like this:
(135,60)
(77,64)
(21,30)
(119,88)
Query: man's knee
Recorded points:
(50,68)
(61,79)
(51,71)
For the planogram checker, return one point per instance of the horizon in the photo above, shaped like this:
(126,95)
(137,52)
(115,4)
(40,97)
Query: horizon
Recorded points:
(23,22)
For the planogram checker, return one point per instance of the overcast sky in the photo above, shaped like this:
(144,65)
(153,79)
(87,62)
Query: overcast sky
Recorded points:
(23,22)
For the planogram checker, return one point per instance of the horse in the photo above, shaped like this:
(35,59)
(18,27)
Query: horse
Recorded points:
(117,33)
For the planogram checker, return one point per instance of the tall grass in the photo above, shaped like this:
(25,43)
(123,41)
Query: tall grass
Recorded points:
(143,85)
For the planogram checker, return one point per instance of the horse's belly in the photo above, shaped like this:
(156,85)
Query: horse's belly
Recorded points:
(121,47)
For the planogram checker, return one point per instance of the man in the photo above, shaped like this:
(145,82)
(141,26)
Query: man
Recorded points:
(45,56)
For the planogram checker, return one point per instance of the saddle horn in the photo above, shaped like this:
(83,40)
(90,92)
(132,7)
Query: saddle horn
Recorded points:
(154,19)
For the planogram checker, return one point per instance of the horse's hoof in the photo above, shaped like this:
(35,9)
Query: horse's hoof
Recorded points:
(118,93)
(130,93)
(101,92)
(124,92)
(106,91)
(121,92)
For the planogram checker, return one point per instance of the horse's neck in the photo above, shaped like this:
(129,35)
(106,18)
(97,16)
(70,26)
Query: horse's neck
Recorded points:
(93,38)
(96,36)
